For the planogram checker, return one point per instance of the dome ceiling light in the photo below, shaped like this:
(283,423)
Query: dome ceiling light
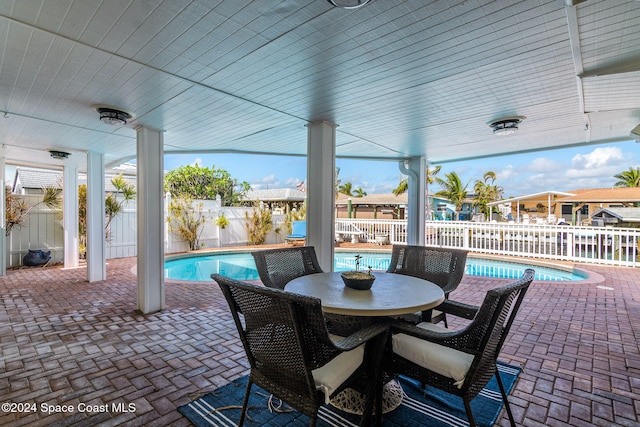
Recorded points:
(113,116)
(348,4)
(506,125)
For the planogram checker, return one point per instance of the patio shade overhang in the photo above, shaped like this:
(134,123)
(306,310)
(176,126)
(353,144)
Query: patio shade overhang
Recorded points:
(400,79)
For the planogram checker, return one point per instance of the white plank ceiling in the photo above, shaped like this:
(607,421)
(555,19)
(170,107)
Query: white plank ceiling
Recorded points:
(399,77)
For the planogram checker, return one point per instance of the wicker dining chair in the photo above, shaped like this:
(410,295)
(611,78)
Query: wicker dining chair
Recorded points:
(442,266)
(461,362)
(292,355)
(277,267)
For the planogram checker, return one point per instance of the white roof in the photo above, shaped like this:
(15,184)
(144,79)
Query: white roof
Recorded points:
(539,195)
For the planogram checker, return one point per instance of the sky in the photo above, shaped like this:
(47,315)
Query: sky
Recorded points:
(590,166)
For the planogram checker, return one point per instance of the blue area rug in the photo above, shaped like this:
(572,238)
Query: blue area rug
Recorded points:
(419,407)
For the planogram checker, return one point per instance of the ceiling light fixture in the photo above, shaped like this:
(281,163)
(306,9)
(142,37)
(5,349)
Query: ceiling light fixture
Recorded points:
(506,125)
(112,116)
(59,155)
(348,4)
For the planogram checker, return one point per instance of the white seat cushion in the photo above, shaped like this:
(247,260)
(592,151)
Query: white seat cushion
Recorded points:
(330,376)
(434,357)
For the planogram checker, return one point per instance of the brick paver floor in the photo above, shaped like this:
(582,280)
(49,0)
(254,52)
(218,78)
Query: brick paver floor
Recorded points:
(64,341)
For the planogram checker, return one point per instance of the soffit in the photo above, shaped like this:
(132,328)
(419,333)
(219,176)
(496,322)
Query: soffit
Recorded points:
(400,79)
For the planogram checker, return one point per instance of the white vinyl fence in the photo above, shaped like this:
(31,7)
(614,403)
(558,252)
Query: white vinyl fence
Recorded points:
(599,245)
(43,230)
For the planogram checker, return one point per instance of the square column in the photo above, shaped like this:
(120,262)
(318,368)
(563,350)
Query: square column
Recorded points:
(150,219)
(70,216)
(416,173)
(96,250)
(321,181)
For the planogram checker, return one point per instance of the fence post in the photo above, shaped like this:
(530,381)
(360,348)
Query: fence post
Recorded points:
(570,246)
(218,209)
(466,237)
(167,234)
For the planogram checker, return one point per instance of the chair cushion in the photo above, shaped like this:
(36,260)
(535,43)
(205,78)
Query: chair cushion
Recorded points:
(434,357)
(331,376)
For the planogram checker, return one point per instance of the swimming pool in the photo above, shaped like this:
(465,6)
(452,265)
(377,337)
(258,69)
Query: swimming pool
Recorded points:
(240,266)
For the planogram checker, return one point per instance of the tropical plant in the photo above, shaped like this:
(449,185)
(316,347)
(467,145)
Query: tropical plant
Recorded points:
(486,191)
(359,192)
(113,204)
(431,173)
(452,190)
(187,219)
(346,189)
(222,221)
(198,182)
(82,220)
(112,207)
(17,209)
(258,225)
(294,215)
(629,178)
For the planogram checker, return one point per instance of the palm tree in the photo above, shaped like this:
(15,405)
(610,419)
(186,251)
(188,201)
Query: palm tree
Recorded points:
(403,186)
(346,188)
(630,178)
(359,192)
(453,190)
(486,191)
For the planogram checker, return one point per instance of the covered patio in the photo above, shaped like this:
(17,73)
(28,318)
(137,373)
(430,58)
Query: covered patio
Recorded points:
(72,342)
(87,85)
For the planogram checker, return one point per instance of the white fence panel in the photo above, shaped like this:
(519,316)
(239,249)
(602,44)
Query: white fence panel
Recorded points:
(41,230)
(372,230)
(209,236)
(122,236)
(600,245)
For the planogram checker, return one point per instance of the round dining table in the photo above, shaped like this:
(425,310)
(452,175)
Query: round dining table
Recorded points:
(390,295)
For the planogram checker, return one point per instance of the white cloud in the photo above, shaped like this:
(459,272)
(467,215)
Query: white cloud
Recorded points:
(598,158)
(505,173)
(602,163)
(543,165)
(269,181)
(292,182)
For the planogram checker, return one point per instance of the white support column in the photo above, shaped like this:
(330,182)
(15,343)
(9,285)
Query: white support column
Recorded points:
(70,216)
(416,173)
(321,170)
(3,219)
(150,219)
(96,251)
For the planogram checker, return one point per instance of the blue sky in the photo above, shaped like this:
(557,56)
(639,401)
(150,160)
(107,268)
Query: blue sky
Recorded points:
(567,169)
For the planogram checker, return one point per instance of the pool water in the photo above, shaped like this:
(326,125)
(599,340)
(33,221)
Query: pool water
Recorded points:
(240,266)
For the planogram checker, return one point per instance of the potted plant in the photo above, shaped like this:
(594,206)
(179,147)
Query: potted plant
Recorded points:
(357,279)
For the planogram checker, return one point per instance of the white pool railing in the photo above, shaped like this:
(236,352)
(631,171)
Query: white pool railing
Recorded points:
(596,245)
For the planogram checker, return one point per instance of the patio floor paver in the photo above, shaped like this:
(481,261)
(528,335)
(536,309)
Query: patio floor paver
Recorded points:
(64,341)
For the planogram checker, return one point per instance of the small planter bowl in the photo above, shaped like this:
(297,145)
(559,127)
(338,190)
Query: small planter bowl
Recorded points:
(357,280)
